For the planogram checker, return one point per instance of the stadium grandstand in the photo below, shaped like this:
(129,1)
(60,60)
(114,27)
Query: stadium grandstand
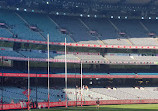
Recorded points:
(76,52)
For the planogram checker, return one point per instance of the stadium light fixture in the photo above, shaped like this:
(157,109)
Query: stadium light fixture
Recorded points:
(81,15)
(33,11)
(149,17)
(47,3)
(95,16)
(119,17)
(88,15)
(64,13)
(90,82)
(156,17)
(57,13)
(142,17)
(25,10)
(112,16)
(126,17)
(17,8)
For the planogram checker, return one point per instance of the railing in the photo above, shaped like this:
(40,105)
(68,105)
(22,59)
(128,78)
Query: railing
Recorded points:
(77,76)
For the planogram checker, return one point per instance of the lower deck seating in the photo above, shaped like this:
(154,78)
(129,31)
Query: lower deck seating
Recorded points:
(128,93)
(92,94)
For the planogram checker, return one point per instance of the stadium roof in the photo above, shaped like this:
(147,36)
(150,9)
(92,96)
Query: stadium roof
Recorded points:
(154,2)
(98,7)
(142,2)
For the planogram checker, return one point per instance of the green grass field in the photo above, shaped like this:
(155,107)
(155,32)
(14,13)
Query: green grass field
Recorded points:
(133,107)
